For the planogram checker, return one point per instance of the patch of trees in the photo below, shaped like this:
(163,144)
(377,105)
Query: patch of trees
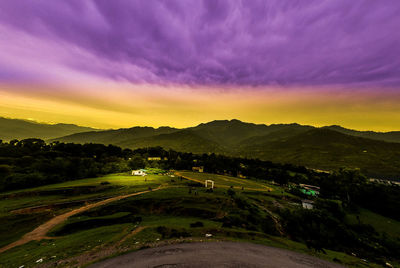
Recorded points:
(32,162)
(325,226)
(354,190)
(167,232)
(246,214)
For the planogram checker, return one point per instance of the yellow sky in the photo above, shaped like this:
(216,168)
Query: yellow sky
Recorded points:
(116,106)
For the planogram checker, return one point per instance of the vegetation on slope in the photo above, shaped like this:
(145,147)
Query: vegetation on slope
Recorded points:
(322,148)
(330,150)
(186,211)
(22,129)
(391,136)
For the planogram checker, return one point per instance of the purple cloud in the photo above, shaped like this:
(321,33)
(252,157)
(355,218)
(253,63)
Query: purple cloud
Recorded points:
(331,42)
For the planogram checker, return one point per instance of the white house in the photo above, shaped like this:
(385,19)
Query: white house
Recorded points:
(307,204)
(139,172)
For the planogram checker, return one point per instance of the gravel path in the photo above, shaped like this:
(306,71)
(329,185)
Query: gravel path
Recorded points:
(214,254)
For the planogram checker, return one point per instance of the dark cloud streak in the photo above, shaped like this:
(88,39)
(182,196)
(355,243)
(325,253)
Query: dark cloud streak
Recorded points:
(331,42)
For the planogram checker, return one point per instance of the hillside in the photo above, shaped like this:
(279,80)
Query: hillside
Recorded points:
(117,137)
(328,149)
(392,136)
(23,129)
(234,132)
(183,141)
(323,148)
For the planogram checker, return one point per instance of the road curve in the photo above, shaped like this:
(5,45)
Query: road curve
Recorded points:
(215,254)
(40,232)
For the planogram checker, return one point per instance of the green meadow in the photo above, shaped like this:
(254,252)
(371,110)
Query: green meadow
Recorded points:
(181,211)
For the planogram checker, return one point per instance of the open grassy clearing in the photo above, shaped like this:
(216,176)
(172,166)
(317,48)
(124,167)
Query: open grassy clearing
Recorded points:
(78,242)
(169,215)
(63,247)
(86,189)
(227,181)
(22,211)
(115,180)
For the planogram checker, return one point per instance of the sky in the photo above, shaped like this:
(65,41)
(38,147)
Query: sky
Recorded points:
(111,64)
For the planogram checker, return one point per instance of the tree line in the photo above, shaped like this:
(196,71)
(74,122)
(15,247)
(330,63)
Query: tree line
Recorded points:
(33,162)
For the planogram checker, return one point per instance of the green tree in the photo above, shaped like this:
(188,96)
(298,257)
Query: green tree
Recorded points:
(136,162)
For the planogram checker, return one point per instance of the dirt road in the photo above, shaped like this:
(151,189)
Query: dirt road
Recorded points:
(215,254)
(41,231)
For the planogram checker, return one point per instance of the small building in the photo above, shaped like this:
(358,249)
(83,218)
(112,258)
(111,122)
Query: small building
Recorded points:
(309,189)
(307,204)
(139,172)
(154,158)
(198,169)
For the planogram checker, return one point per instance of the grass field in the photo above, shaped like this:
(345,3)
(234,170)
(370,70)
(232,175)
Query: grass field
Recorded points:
(170,215)
(382,224)
(84,189)
(21,211)
(227,181)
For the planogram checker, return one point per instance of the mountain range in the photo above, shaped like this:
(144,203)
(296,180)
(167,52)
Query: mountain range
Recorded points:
(377,154)
(23,129)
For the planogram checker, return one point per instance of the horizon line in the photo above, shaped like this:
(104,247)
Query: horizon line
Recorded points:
(31,120)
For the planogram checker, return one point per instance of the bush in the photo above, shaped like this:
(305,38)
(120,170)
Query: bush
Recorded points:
(231,192)
(197,224)
(195,184)
(95,223)
(167,232)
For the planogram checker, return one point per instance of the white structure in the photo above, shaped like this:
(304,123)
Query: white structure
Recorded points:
(209,181)
(307,204)
(139,172)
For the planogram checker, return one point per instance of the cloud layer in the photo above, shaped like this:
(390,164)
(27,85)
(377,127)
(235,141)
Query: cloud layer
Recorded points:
(289,43)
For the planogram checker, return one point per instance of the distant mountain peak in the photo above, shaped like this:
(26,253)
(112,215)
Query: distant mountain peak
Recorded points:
(22,129)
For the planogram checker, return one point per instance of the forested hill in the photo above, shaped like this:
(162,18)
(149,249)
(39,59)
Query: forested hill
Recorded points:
(321,148)
(391,136)
(22,129)
(328,148)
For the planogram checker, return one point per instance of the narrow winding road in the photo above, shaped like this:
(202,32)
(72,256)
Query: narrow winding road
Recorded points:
(40,232)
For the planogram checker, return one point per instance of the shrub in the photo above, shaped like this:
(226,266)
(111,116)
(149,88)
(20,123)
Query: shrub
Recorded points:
(167,232)
(197,224)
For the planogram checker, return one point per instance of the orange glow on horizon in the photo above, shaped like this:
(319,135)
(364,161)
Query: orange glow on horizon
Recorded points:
(116,106)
